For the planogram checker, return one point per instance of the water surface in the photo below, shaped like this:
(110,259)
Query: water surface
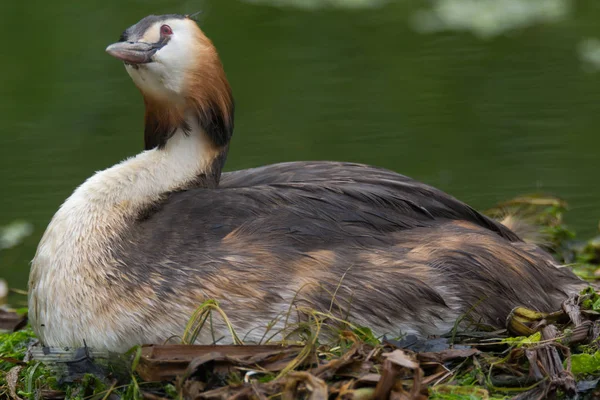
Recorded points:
(484,119)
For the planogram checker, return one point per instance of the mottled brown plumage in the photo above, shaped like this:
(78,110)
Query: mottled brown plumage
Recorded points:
(409,257)
(133,252)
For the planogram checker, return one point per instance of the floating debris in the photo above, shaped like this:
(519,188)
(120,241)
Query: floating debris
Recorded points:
(589,53)
(3,290)
(488,18)
(14,233)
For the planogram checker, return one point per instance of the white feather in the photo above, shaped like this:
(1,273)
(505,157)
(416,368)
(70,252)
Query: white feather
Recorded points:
(68,282)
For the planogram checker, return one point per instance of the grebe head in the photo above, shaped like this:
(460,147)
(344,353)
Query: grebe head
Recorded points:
(160,52)
(178,71)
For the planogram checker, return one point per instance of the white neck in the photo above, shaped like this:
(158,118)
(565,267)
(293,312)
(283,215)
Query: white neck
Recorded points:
(75,248)
(143,179)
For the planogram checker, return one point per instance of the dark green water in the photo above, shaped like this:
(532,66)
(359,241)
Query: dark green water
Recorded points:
(484,120)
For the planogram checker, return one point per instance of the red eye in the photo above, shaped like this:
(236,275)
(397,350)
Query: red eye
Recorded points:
(166,30)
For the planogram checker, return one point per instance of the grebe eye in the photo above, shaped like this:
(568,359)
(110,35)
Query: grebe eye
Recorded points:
(166,30)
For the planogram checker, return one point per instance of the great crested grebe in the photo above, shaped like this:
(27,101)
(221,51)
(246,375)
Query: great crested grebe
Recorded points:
(139,246)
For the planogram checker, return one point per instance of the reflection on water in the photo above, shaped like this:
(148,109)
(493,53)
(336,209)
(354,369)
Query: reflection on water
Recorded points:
(484,120)
(14,233)
(589,52)
(488,18)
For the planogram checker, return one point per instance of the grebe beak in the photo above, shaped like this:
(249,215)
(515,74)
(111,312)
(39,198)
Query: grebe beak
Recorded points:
(133,52)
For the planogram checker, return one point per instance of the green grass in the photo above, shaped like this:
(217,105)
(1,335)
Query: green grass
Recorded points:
(14,346)
(33,375)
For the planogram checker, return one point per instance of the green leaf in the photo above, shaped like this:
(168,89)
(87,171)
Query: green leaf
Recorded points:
(596,305)
(585,363)
(521,341)
(366,335)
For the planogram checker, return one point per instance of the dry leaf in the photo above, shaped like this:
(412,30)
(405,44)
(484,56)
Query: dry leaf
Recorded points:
(402,359)
(446,355)
(12,378)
